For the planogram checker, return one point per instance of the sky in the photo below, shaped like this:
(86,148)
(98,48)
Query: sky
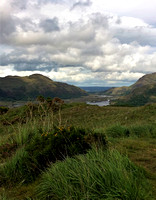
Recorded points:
(80,42)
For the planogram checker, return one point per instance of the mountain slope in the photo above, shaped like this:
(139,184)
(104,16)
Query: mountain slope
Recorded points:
(140,93)
(148,79)
(29,87)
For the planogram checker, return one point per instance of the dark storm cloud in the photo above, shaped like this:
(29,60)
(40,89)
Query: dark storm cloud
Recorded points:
(50,25)
(81,4)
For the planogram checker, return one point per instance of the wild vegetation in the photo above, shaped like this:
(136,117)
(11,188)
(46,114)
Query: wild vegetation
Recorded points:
(140,93)
(53,150)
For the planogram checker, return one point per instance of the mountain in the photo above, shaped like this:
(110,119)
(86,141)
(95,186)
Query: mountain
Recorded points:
(95,89)
(140,93)
(29,87)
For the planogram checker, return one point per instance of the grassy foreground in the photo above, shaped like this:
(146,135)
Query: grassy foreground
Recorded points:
(96,175)
(40,147)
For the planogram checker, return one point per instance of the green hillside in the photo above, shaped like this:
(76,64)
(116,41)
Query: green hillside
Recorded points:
(79,151)
(140,93)
(29,87)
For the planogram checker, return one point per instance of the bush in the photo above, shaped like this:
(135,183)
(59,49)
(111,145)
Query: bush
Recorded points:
(46,147)
(117,131)
(96,175)
(62,142)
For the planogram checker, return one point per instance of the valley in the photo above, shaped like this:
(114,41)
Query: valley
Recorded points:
(77,100)
(49,140)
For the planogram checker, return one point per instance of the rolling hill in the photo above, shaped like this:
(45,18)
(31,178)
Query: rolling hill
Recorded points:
(29,87)
(140,93)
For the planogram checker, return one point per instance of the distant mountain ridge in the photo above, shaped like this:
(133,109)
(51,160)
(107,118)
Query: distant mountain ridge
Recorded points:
(29,87)
(140,93)
(93,89)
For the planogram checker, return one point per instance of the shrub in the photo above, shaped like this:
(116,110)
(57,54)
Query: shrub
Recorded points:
(96,175)
(117,131)
(46,147)
(62,142)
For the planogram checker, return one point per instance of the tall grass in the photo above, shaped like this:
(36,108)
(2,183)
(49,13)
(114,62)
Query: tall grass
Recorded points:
(24,132)
(3,196)
(46,147)
(145,130)
(18,168)
(38,118)
(96,175)
(117,130)
(136,130)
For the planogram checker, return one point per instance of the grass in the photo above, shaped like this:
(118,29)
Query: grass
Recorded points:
(18,168)
(20,192)
(117,130)
(145,130)
(130,130)
(136,131)
(44,147)
(96,175)
(141,151)
(102,117)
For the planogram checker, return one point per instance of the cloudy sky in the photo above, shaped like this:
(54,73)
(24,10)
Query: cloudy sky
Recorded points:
(81,42)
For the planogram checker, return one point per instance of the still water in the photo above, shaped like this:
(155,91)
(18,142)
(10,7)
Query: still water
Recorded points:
(101,103)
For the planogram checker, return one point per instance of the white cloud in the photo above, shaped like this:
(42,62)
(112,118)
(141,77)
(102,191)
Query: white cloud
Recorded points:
(143,9)
(85,45)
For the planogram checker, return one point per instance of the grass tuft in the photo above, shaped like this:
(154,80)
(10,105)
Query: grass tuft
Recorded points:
(117,131)
(20,167)
(96,175)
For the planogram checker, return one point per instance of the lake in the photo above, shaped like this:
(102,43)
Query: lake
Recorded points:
(100,103)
